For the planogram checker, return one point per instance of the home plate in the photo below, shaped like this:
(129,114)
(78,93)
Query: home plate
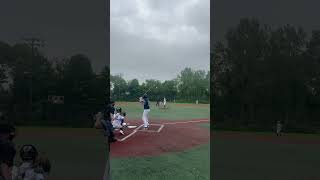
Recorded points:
(131,127)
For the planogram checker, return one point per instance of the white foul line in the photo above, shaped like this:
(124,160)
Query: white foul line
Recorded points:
(185,122)
(157,131)
(131,134)
(161,127)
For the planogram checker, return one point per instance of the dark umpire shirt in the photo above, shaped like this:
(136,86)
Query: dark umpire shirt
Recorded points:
(109,109)
(107,125)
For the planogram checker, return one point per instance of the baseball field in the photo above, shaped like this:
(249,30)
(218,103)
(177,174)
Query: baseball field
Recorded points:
(176,146)
(264,156)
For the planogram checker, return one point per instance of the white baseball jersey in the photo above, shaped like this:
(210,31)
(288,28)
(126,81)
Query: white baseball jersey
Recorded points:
(279,126)
(117,120)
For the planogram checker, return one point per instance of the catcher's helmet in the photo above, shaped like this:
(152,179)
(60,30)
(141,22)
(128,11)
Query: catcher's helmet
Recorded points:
(145,96)
(28,152)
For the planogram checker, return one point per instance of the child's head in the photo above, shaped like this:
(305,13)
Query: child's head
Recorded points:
(118,110)
(44,163)
(124,114)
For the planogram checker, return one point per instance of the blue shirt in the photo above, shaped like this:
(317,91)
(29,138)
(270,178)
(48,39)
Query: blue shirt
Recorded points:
(146,104)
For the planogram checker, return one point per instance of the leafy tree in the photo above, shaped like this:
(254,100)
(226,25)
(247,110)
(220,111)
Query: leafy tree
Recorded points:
(119,87)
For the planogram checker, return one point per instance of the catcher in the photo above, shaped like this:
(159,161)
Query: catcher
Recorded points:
(118,122)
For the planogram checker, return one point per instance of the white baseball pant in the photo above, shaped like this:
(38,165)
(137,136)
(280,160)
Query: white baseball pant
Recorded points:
(145,117)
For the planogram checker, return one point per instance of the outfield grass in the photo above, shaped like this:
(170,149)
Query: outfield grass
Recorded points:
(189,165)
(244,159)
(205,125)
(175,111)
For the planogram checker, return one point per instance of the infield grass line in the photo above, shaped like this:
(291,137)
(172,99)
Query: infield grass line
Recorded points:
(186,122)
(161,127)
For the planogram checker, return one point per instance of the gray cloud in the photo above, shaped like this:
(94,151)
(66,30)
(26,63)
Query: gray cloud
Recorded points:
(68,27)
(157,39)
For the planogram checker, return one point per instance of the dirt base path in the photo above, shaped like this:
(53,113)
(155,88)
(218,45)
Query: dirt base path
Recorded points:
(162,137)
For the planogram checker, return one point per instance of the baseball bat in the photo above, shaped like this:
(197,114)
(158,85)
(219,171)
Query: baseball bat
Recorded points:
(150,89)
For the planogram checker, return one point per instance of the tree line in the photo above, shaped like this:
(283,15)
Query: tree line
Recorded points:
(262,74)
(189,86)
(28,78)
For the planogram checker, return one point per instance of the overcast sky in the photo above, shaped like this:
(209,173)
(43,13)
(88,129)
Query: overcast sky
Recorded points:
(68,26)
(153,39)
(149,38)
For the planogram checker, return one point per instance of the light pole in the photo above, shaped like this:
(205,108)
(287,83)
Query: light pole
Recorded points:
(30,86)
(33,43)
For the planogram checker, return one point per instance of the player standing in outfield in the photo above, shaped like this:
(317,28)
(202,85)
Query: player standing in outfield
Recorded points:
(164,102)
(158,102)
(279,128)
(146,110)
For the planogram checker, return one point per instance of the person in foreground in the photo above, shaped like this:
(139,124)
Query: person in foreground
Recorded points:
(7,151)
(33,166)
(103,121)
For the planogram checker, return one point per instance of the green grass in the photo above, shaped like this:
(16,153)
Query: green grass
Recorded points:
(251,160)
(69,155)
(205,125)
(79,153)
(189,165)
(175,111)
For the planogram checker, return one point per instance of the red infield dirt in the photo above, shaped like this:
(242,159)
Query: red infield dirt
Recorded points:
(173,137)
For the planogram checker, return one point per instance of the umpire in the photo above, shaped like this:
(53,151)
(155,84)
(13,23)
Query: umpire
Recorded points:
(7,151)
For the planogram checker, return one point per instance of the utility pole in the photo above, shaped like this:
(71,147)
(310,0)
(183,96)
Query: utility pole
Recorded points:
(33,43)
